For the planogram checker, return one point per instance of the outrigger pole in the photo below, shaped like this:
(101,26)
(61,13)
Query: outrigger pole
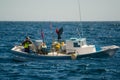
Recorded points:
(80,17)
(42,35)
(52,32)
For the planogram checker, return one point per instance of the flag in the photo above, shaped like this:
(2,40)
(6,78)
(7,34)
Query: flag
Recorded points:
(57,31)
(42,34)
(60,30)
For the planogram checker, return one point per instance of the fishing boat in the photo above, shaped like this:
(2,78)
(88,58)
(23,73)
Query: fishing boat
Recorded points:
(71,49)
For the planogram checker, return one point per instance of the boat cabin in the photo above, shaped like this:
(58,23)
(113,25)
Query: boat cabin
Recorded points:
(79,45)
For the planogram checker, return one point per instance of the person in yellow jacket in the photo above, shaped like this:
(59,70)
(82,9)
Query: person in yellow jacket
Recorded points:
(26,44)
(57,46)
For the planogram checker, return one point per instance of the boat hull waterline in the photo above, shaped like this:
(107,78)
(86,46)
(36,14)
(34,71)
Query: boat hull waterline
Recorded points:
(19,54)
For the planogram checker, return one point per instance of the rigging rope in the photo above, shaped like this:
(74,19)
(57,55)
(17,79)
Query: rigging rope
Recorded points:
(79,9)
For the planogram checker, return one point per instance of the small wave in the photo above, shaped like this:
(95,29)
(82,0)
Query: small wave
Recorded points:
(93,71)
(6,60)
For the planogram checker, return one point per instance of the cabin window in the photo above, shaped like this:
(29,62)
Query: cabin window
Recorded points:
(76,44)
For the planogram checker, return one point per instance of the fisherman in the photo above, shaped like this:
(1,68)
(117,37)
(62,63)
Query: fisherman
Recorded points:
(26,44)
(44,48)
(57,46)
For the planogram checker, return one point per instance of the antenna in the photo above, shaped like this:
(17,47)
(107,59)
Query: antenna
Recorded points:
(79,9)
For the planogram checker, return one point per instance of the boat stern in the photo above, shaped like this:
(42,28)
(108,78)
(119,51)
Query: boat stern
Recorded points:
(110,50)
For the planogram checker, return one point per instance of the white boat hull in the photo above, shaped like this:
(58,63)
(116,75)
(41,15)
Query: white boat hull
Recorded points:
(20,55)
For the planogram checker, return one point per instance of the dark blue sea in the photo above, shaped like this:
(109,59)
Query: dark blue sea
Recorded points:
(98,33)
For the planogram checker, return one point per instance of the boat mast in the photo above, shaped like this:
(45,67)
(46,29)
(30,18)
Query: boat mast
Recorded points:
(80,19)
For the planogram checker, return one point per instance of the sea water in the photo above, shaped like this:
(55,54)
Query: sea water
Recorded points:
(98,33)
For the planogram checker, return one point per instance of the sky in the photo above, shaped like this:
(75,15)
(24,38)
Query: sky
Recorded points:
(59,10)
